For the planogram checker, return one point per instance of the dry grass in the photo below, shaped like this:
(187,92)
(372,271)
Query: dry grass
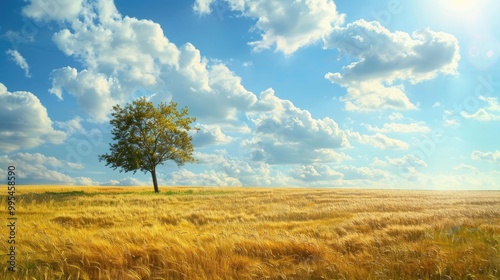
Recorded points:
(246,233)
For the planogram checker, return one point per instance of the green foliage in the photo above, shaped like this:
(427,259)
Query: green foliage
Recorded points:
(147,136)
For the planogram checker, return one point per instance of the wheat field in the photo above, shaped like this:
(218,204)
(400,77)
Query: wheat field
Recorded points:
(253,233)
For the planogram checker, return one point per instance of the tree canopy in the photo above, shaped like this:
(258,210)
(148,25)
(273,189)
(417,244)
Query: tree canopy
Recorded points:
(147,136)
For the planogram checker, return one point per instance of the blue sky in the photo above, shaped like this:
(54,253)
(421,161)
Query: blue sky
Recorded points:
(319,93)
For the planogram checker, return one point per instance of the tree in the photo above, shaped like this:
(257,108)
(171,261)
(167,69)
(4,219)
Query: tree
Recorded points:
(148,136)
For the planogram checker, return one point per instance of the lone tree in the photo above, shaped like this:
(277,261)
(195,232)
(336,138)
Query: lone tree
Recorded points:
(148,136)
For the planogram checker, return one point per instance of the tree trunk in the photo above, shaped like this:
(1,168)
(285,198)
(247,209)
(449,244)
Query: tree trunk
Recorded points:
(155,183)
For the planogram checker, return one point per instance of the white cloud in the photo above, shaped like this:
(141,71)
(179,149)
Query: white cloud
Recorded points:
(394,56)
(287,25)
(24,122)
(451,123)
(488,156)
(84,181)
(466,167)
(481,115)
(419,127)
(213,93)
(372,95)
(396,116)
(405,165)
(402,174)
(41,169)
(205,178)
(52,9)
(359,173)
(20,61)
(121,54)
(128,181)
(378,140)
(95,93)
(408,160)
(210,135)
(287,134)
(488,113)
(437,104)
(456,180)
(385,58)
(15,38)
(316,173)
(378,162)
(73,126)
(246,172)
(202,7)
(492,103)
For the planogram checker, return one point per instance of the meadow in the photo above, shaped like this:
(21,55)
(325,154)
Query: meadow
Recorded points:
(252,233)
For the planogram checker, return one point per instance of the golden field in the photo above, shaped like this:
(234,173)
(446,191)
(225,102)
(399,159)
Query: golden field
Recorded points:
(253,233)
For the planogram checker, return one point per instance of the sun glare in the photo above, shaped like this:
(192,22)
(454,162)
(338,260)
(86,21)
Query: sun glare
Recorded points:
(457,9)
(467,14)
(458,5)
(460,11)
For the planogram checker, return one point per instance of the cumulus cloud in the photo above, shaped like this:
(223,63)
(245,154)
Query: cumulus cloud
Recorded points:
(481,115)
(327,175)
(367,96)
(378,140)
(406,160)
(121,54)
(84,181)
(316,173)
(287,25)
(52,9)
(286,134)
(248,173)
(450,120)
(419,127)
(24,122)
(488,156)
(41,169)
(364,172)
(73,126)
(20,61)
(405,166)
(202,7)
(471,180)
(405,174)
(128,181)
(466,168)
(205,178)
(437,104)
(95,92)
(488,113)
(396,116)
(385,58)
(210,135)
(378,162)
(213,93)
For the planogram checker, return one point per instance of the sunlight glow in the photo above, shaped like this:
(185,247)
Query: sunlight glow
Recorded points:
(460,11)
(458,5)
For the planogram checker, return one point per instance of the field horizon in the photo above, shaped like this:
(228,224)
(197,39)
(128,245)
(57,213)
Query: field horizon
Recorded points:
(109,232)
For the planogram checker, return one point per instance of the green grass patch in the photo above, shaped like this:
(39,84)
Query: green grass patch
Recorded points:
(70,193)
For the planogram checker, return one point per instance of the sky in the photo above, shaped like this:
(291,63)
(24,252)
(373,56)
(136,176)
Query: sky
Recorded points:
(389,94)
